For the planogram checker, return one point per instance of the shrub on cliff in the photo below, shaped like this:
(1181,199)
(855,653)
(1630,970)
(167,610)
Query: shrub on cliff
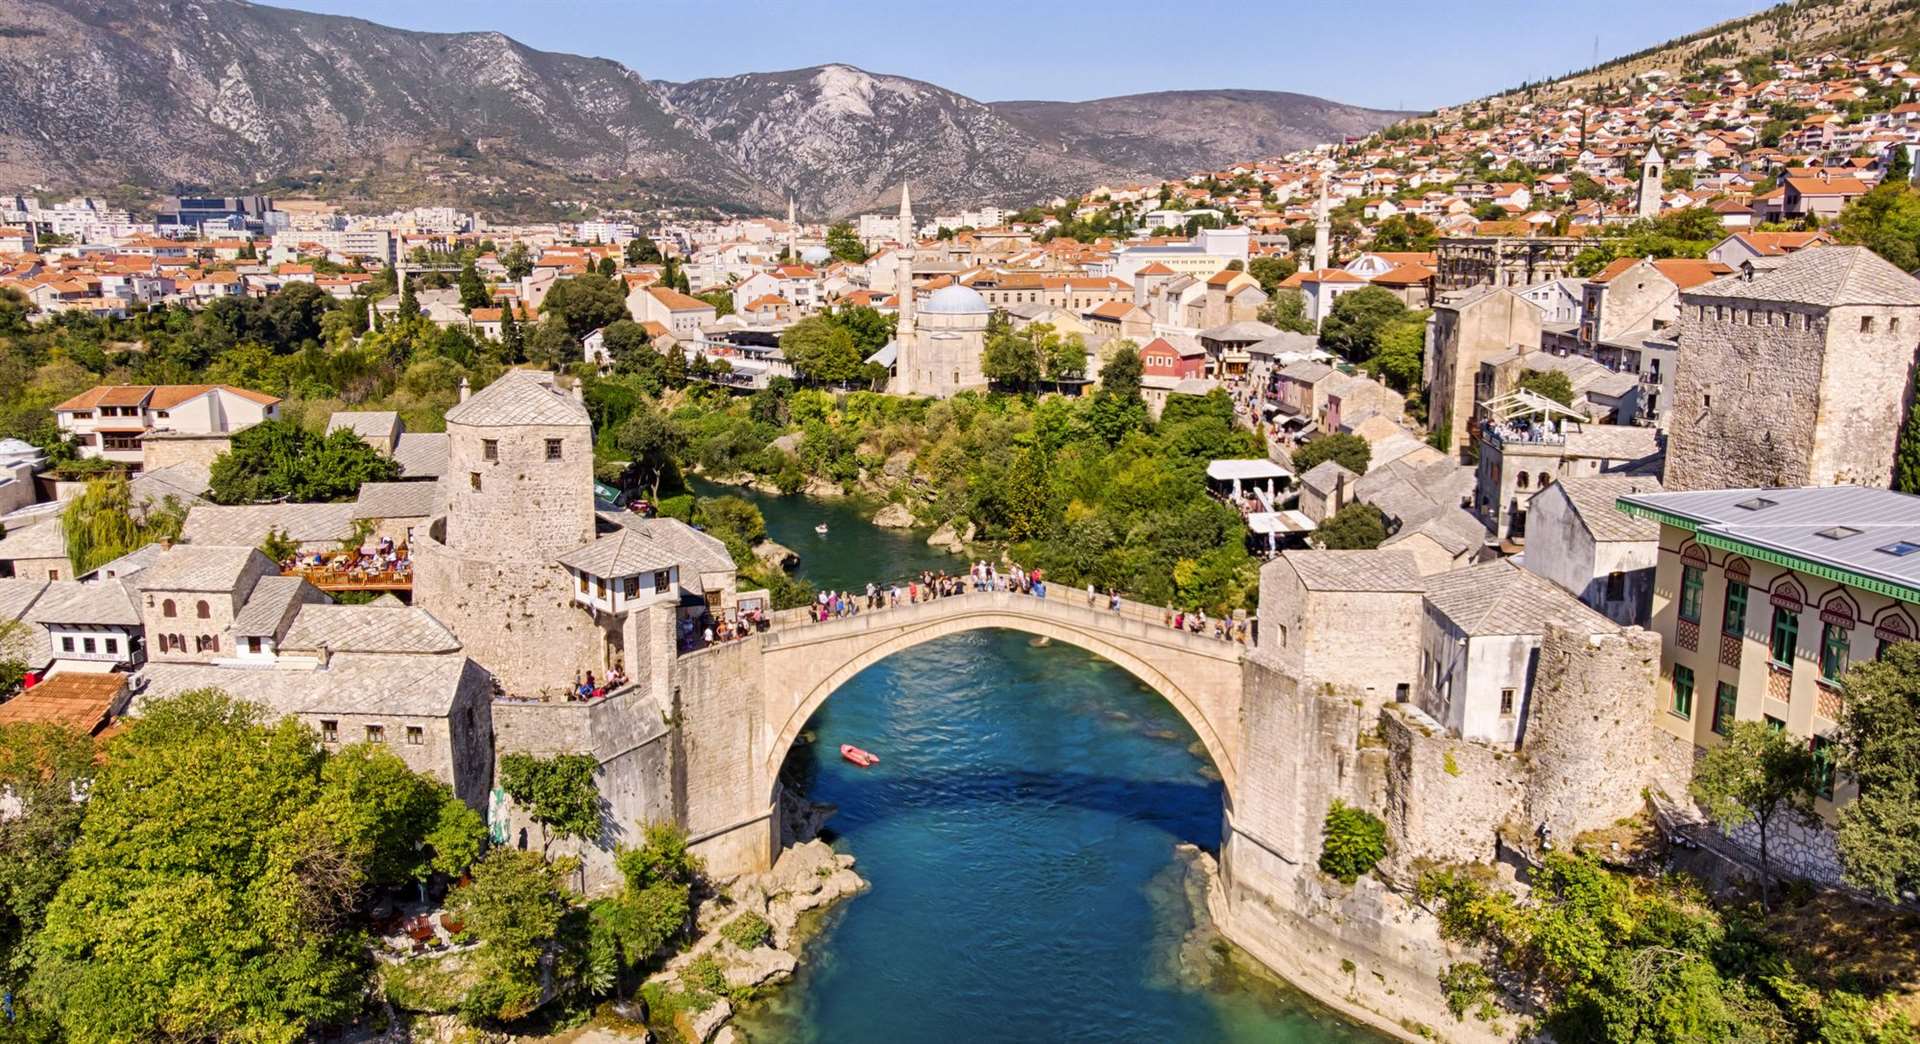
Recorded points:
(1355,840)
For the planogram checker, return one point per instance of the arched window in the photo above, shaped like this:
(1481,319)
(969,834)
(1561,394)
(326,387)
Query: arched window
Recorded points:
(1520,481)
(202,610)
(167,609)
(1892,627)
(1545,480)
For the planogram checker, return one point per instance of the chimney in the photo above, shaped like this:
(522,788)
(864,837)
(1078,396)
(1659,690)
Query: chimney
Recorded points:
(324,655)
(466,389)
(580,392)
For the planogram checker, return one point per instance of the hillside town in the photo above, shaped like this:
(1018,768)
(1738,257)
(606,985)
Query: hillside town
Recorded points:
(1520,454)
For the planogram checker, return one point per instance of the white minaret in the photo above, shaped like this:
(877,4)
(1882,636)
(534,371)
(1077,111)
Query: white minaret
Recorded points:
(1653,172)
(793,255)
(1321,229)
(903,278)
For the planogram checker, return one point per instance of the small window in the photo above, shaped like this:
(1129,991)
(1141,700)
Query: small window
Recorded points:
(473,479)
(202,611)
(1616,586)
(1823,761)
(1692,579)
(554,449)
(1900,548)
(415,736)
(376,734)
(1683,690)
(661,581)
(1506,703)
(489,449)
(329,732)
(1838,532)
(1866,324)
(1706,401)
(87,645)
(632,586)
(1836,650)
(167,608)
(584,589)
(111,645)
(66,644)
(1733,617)
(1755,504)
(1786,636)
(53,574)
(1893,326)
(254,644)
(1726,703)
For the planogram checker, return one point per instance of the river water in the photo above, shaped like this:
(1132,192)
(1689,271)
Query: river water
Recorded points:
(1019,836)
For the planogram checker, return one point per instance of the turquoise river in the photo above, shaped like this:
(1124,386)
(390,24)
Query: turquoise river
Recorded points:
(1019,834)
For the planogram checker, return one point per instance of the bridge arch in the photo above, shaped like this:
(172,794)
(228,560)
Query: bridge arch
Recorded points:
(807,663)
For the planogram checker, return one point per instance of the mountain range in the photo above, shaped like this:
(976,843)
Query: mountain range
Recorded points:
(136,99)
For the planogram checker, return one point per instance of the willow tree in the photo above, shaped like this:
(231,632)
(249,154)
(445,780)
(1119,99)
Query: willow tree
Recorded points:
(104,523)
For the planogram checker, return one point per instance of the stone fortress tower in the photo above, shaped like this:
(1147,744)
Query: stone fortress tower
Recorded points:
(517,494)
(1653,175)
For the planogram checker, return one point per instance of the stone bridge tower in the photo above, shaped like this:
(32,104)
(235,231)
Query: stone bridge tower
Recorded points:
(518,493)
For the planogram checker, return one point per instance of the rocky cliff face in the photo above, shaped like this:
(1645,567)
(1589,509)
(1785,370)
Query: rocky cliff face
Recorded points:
(222,95)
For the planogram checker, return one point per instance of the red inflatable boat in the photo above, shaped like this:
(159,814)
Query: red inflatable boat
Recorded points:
(859,757)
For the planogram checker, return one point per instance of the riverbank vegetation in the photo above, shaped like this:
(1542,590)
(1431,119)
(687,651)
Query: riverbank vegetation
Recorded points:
(1087,489)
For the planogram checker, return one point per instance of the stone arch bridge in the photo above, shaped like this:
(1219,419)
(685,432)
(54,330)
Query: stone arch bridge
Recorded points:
(745,703)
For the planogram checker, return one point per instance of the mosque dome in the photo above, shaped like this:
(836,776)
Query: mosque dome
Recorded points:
(956,300)
(815,255)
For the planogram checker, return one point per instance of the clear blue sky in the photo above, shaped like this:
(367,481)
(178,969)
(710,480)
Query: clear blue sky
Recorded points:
(1387,54)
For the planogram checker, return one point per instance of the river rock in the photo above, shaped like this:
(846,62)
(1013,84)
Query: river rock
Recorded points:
(788,443)
(775,555)
(819,487)
(894,516)
(727,1035)
(945,537)
(701,1026)
(762,964)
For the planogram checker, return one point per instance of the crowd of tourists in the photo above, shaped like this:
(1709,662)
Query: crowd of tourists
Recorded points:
(585,688)
(1197,622)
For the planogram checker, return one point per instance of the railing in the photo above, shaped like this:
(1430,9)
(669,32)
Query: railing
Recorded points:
(1131,619)
(355,579)
(1531,436)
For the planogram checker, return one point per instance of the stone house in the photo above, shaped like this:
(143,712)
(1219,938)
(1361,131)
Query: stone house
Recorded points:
(1762,599)
(1795,374)
(1517,462)
(1480,644)
(1312,604)
(1577,539)
(1163,358)
(1467,330)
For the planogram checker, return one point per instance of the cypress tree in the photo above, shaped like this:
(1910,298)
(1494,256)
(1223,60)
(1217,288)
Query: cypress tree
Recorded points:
(1906,453)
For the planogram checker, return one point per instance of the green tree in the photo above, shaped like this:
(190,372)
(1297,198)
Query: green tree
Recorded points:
(642,251)
(1401,357)
(1352,451)
(399,825)
(628,345)
(1405,232)
(656,903)
(1879,833)
(513,344)
(409,305)
(1355,527)
(473,290)
(1353,841)
(557,791)
(514,905)
(212,903)
(517,261)
(1287,310)
(822,350)
(652,442)
(1552,384)
(608,267)
(586,303)
(1355,322)
(103,523)
(1118,409)
(844,244)
(1272,270)
(1759,775)
(1906,453)
(1886,221)
(279,460)
(44,767)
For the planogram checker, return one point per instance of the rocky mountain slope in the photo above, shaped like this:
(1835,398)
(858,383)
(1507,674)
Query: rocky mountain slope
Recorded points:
(225,95)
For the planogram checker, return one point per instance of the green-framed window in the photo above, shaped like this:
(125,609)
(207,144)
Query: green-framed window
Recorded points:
(1823,761)
(1726,706)
(1683,690)
(1692,580)
(1786,635)
(1734,620)
(1836,646)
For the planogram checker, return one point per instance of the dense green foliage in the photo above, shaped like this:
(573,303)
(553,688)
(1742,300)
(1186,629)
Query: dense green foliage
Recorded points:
(514,904)
(1355,527)
(1879,834)
(1286,309)
(103,523)
(1675,233)
(211,890)
(45,767)
(1349,451)
(1887,221)
(278,460)
(557,791)
(1034,353)
(1759,775)
(1354,325)
(1552,384)
(1605,957)
(1353,841)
